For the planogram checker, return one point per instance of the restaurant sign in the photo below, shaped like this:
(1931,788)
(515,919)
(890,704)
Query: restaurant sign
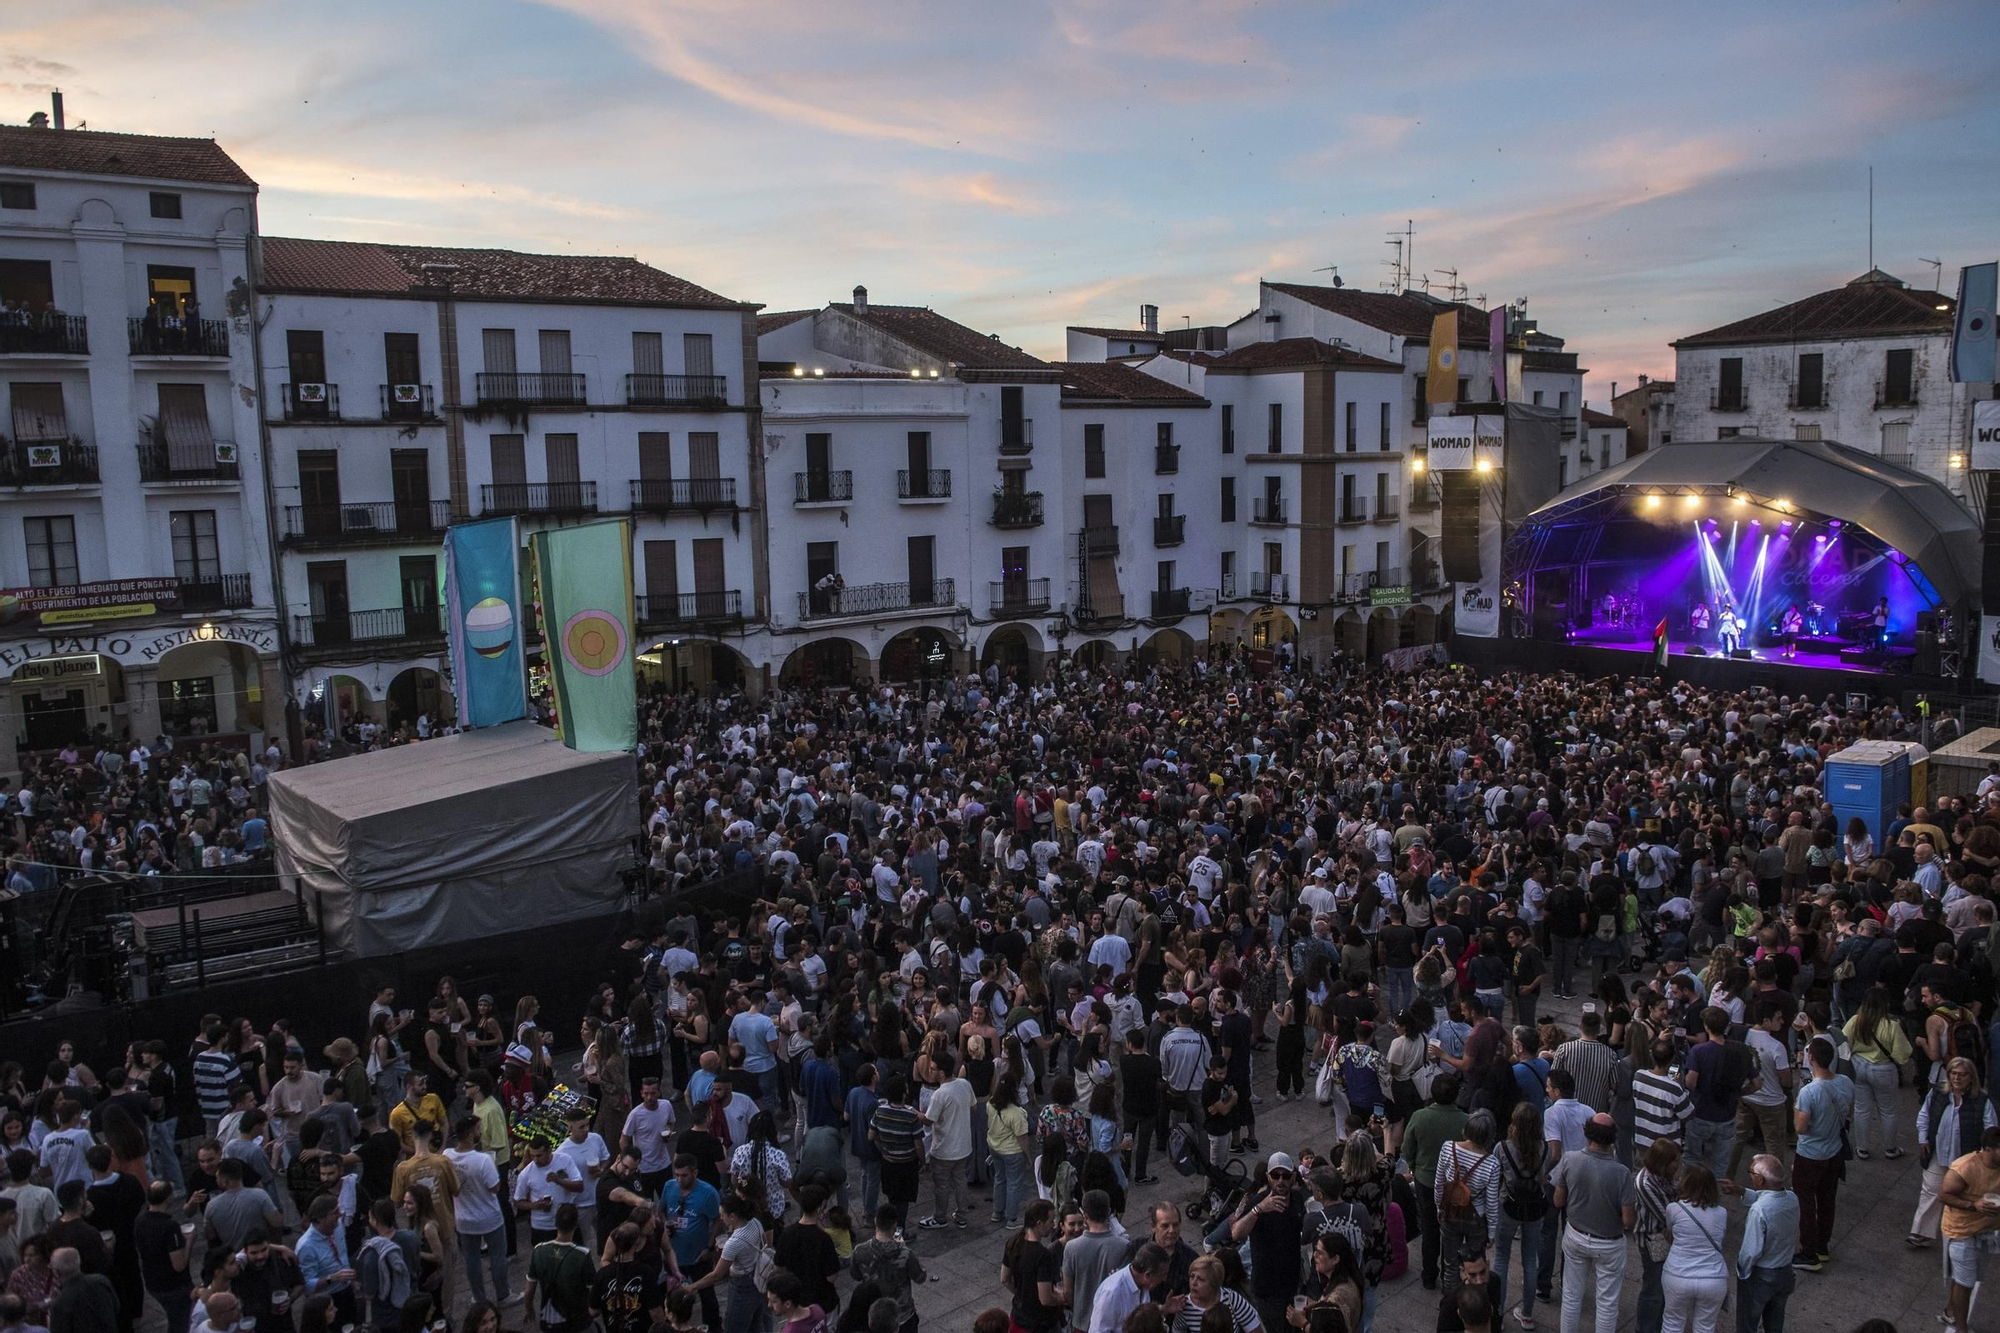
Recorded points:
(142,648)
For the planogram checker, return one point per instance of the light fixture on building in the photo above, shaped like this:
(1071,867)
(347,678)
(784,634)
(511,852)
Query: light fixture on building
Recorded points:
(934,374)
(798,371)
(819,372)
(1955,461)
(915,373)
(1483,465)
(1944,305)
(1417,465)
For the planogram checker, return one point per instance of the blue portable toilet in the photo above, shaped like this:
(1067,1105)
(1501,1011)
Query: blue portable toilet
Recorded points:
(1868,779)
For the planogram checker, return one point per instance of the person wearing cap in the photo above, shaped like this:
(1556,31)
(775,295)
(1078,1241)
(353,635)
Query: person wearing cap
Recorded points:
(352,1071)
(1272,1219)
(1599,1200)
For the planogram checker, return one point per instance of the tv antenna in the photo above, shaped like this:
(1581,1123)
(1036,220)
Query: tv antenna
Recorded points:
(1937,272)
(1403,265)
(1454,290)
(1334,269)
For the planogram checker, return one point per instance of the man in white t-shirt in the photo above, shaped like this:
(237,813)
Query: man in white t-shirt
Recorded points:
(476,1211)
(1762,1108)
(587,1154)
(544,1182)
(950,1118)
(648,1127)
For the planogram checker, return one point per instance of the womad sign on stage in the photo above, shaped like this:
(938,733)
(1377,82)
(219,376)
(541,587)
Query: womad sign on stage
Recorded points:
(1477,610)
(1989,649)
(1457,444)
(1986,435)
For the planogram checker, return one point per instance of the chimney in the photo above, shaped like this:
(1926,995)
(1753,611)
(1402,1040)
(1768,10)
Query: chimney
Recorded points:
(1149,318)
(38,120)
(55,97)
(1642,381)
(1614,393)
(860,300)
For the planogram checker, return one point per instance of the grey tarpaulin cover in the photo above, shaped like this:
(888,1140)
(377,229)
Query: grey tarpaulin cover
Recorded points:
(462,837)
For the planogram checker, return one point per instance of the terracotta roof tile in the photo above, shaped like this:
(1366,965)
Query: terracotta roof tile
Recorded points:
(1136,334)
(773,320)
(1402,314)
(366,267)
(932,334)
(1602,420)
(145,156)
(1089,380)
(1874,305)
(1287,354)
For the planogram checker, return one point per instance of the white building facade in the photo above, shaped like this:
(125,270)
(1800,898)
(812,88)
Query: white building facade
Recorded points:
(134,547)
(1866,364)
(406,388)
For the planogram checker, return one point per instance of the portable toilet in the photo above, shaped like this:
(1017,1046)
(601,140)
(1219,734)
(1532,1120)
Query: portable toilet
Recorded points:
(1920,767)
(1868,779)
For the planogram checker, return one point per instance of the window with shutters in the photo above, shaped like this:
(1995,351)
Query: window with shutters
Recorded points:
(1352,428)
(704,454)
(1382,429)
(1093,451)
(1229,499)
(51,551)
(698,353)
(647,356)
(1899,388)
(554,349)
(184,424)
(496,348)
(1275,442)
(656,469)
(1811,390)
(923,569)
(663,578)
(1229,428)
(196,556)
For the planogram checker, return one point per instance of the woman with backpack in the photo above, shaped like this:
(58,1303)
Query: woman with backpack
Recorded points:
(1467,1196)
(1880,1048)
(1524,1202)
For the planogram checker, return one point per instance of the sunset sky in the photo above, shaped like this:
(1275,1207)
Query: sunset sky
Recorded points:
(1637,173)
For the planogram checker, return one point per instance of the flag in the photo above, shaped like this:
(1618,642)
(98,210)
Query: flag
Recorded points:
(585,578)
(1973,349)
(1660,644)
(483,622)
(1442,384)
(1496,342)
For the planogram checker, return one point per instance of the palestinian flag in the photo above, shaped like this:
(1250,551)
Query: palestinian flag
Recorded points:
(1660,644)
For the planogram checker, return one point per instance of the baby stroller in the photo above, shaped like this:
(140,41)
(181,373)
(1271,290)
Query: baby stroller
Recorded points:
(1223,1186)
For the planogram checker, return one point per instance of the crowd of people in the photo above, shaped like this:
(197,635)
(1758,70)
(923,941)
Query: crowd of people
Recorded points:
(1559,969)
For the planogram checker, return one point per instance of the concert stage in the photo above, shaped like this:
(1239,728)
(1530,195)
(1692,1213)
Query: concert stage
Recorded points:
(1822,654)
(1867,567)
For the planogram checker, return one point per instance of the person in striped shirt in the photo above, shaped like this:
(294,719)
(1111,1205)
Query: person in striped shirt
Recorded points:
(214,1071)
(1661,1103)
(1590,1061)
(897,1132)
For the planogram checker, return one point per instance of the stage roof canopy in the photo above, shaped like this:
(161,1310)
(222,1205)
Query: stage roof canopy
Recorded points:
(1906,510)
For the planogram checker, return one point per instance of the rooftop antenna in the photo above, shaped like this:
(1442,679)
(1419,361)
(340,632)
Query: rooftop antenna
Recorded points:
(1403,266)
(1335,270)
(1395,283)
(1937,272)
(1453,289)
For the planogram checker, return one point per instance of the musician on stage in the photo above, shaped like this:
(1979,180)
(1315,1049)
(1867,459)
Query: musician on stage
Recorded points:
(1816,623)
(1789,625)
(1730,630)
(1698,619)
(1880,619)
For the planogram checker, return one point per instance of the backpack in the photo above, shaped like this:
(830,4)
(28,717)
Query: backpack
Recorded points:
(385,1275)
(1645,864)
(1607,926)
(1456,1203)
(1962,1038)
(1524,1198)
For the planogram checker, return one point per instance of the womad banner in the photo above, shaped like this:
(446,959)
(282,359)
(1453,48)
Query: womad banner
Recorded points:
(1476,606)
(483,623)
(585,575)
(1989,649)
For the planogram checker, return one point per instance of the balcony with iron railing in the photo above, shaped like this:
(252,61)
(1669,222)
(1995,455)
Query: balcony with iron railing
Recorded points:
(819,488)
(1728,400)
(215,592)
(668,495)
(1169,529)
(1166,459)
(1902,458)
(512,388)
(191,462)
(408,402)
(669,610)
(538,497)
(921,487)
(1388,508)
(1356,587)
(1017,437)
(1171,603)
(1017,509)
(870,599)
(68,462)
(1566,427)
(1353,509)
(311,402)
(1895,395)
(332,629)
(1097,610)
(1271,586)
(1268,510)
(1810,398)
(676,390)
(366,524)
(147,336)
(45,335)
(1017,597)
(1101,539)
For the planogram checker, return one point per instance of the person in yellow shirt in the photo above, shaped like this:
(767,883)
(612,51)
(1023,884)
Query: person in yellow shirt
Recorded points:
(1971,1198)
(1880,1048)
(419,1103)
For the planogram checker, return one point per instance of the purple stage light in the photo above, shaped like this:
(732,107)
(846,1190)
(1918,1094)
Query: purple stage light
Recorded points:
(1833,523)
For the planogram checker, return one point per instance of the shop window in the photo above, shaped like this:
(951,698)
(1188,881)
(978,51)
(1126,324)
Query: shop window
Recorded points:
(187,707)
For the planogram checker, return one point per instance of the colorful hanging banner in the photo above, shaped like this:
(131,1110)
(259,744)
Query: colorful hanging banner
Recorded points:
(1441,384)
(483,621)
(585,579)
(1974,350)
